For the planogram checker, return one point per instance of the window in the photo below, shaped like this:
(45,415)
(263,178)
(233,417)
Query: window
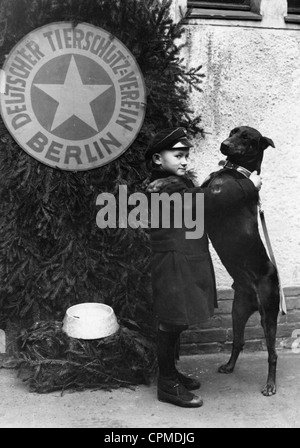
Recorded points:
(293,4)
(293,11)
(222,9)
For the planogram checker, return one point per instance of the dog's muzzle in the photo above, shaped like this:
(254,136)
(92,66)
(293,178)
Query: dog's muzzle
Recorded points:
(225,147)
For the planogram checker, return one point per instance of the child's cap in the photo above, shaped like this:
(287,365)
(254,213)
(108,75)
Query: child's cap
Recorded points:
(172,138)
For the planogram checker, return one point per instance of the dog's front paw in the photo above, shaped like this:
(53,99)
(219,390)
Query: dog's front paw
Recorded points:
(269,389)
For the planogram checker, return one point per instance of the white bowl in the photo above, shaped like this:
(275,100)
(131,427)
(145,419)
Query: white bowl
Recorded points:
(90,321)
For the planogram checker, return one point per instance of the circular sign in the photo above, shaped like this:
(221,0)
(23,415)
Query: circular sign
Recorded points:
(72,98)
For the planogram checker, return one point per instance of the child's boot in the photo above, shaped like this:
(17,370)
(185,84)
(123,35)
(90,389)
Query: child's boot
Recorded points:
(189,382)
(169,388)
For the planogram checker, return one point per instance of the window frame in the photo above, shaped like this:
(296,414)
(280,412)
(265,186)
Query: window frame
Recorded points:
(216,9)
(219,4)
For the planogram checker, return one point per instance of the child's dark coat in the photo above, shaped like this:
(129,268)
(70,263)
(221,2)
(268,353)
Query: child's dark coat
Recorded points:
(183,280)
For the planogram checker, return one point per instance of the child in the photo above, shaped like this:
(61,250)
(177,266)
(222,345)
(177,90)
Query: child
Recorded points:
(183,281)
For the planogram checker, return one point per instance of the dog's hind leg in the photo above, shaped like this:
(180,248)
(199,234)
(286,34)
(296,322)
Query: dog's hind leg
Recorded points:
(269,323)
(269,308)
(243,307)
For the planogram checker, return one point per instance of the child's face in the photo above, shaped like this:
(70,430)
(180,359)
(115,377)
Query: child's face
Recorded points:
(173,160)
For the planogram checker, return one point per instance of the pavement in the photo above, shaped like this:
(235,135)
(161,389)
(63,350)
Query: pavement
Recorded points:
(230,401)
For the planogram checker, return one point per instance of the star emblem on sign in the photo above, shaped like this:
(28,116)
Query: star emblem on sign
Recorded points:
(73,96)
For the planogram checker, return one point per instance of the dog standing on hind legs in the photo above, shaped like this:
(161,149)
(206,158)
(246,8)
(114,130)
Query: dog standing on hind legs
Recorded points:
(236,239)
(234,233)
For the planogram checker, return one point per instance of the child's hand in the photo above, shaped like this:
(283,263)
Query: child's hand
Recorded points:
(256,179)
(158,184)
(154,186)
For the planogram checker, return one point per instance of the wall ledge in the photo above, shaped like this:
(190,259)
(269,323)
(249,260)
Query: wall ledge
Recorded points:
(227,293)
(292,18)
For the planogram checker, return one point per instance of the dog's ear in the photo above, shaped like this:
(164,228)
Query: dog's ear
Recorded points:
(265,142)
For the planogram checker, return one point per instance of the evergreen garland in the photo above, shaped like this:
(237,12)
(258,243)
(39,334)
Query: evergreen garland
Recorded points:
(52,254)
(50,360)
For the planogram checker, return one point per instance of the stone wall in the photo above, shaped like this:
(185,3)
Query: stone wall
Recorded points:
(215,335)
(252,77)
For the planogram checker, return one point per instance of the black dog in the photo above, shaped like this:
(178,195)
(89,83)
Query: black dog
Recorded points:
(235,237)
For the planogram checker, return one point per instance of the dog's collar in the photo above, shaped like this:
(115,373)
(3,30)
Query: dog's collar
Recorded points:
(233,166)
